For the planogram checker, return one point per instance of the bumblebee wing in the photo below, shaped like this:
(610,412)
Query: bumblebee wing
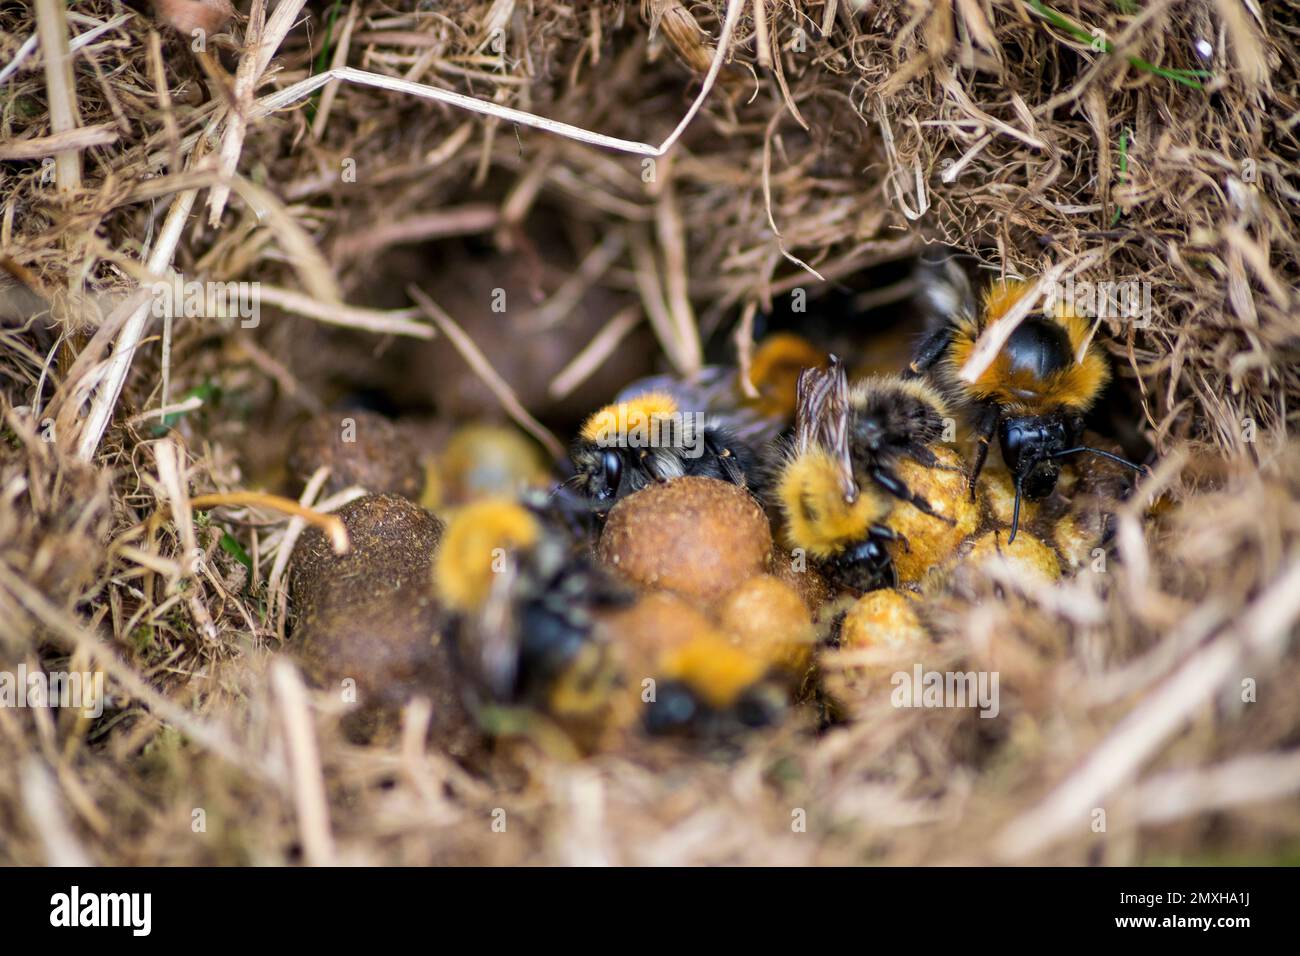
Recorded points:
(835,430)
(735,474)
(946,294)
(812,392)
(751,427)
(495,655)
(712,391)
(707,390)
(822,418)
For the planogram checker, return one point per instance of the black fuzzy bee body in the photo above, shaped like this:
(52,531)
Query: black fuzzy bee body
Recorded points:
(679,711)
(555,610)
(890,418)
(523,598)
(864,566)
(705,447)
(1032,394)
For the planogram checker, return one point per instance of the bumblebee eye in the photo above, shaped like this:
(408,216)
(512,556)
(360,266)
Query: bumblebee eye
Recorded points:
(613,466)
(1012,441)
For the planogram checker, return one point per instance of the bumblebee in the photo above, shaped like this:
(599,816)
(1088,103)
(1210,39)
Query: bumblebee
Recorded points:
(837,487)
(482,461)
(522,605)
(720,429)
(710,687)
(647,438)
(844,533)
(1033,395)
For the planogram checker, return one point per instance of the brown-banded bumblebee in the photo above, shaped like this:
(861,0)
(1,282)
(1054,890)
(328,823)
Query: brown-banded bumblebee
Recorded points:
(837,488)
(523,604)
(694,674)
(710,687)
(708,425)
(648,438)
(1032,396)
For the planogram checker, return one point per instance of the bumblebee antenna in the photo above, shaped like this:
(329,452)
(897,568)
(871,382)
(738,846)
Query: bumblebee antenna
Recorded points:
(1104,454)
(1015,515)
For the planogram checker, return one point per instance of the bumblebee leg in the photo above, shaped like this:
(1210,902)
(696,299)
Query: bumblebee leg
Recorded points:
(861,575)
(1104,454)
(889,534)
(924,455)
(729,465)
(645,463)
(1015,516)
(863,566)
(894,485)
(986,426)
(929,351)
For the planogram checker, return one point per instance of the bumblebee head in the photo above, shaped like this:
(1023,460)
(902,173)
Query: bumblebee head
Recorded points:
(1031,449)
(478,541)
(609,436)
(598,472)
(1041,480)
(1032,446)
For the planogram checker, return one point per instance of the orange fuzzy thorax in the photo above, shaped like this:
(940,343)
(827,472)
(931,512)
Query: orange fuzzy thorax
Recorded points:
(774,371)
(817,517)
(463,569)
(714,669)
(1075,387)
(624,417)
(1001,297)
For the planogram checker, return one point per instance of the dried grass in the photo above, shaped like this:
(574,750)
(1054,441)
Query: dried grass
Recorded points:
(834,138)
